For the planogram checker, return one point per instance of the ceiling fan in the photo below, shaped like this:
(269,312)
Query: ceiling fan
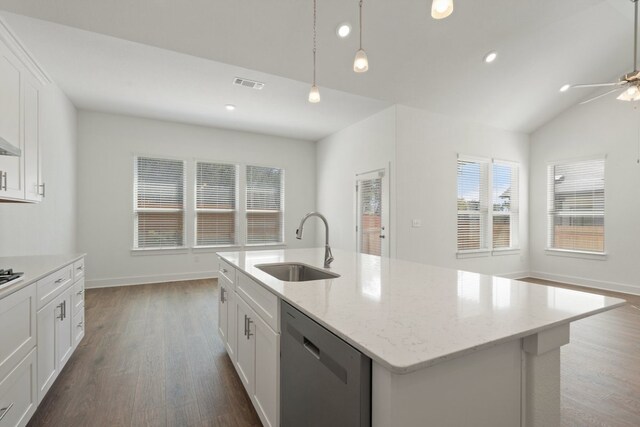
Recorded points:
(629,84)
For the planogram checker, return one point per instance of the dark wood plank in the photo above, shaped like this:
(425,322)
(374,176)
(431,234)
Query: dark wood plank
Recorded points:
(151,356)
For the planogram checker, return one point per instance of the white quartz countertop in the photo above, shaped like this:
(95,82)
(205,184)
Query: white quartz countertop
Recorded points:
(34,268)
(407,316)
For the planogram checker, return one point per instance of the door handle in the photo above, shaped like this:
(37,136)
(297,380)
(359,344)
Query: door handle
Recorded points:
(3,179)
(42,193)
(245,325)
(311,348)
(222,298)
(61,317)
(249,322)
(5,410)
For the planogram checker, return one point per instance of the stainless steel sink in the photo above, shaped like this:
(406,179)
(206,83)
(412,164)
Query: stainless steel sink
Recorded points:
(296,272)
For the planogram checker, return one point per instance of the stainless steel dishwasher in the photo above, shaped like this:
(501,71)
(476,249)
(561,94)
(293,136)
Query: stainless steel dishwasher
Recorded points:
(324,382)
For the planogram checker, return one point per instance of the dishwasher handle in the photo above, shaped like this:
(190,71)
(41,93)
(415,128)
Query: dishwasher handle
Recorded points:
(311,347)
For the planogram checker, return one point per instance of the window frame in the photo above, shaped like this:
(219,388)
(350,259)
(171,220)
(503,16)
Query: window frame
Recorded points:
(551,211)
(237,235)
(487,213)
(135,210)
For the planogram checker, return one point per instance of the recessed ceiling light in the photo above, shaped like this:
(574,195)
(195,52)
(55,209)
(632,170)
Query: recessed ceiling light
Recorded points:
(343,30)
(230,107)
(490,57)
(565,88)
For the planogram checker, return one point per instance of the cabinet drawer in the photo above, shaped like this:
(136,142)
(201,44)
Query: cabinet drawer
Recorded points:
(78,269)
(18,393)
(52,285)
(263,302)
(228,271)
(77,296)
(18,334)
(78,328)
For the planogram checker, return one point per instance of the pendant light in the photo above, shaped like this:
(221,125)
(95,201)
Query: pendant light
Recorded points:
(314,93)
(361,62)
(440,9)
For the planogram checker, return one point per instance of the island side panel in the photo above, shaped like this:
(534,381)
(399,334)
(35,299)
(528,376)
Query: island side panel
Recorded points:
(481,389)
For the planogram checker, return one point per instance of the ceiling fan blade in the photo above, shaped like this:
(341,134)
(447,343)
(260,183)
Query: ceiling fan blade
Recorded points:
(596,85)
(601,95)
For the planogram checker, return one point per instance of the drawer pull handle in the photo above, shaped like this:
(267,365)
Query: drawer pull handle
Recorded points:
(249,322)
(60,280)
(80,292)
(5,410)
(3,177)
(80,268)
(80,325)
(225,271)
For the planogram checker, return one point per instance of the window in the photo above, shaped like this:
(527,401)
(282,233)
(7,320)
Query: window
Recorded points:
(216,204)
(487,205)
(472,205)
(505,202)
(576,206)
(265,201)
(158,203)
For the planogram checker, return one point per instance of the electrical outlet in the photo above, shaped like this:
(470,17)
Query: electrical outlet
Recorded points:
(416,223)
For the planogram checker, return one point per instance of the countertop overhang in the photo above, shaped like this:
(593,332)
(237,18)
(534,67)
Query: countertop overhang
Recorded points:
(408,316)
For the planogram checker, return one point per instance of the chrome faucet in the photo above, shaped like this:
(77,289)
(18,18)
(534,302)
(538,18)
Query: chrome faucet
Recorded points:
(328,256)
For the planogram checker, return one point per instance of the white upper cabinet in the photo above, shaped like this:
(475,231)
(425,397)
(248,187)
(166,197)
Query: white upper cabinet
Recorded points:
(20,83)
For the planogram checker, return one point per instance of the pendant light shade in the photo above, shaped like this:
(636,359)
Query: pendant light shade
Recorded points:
(440,9)
(361,63)
(314,94)
(631,94)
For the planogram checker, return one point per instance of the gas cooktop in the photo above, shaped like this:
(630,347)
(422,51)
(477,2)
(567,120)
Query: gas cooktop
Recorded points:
(8,277)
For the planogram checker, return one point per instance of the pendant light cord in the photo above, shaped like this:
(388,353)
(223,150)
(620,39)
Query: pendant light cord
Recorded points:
(361,24)
(314,42)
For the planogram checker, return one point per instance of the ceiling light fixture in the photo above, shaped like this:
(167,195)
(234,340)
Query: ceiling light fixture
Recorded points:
(490,57)
(440,9)
(361,62)
(314,93)
(565,88)
(343,30)
(230,107)
(631,94)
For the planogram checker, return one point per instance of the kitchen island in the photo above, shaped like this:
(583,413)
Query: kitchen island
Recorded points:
(448,347)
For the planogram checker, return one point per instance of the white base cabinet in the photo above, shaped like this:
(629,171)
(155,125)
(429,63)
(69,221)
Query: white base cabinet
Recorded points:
(250,340)
(18,393)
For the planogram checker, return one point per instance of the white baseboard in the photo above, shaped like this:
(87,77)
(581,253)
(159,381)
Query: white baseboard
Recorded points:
(588,283)
(142,280)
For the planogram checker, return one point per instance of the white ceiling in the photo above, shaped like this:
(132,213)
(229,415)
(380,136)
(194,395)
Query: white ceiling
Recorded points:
(105,73)
(414,60)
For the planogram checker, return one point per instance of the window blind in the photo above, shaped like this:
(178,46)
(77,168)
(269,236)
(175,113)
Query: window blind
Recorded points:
(158,203)
(472,204)
(370,212)
(576,200)
(216,204)
(505,203)
(265,200)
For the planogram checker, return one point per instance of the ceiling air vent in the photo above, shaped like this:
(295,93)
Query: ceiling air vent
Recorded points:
(251,84)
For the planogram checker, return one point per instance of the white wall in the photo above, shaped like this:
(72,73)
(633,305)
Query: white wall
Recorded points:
(47,227)
(106,146)
(422,148)
(605,127)
(426,188)
(362,147)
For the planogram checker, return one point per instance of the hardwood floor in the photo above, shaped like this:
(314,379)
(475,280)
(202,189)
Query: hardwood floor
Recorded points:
(601,366)
(152,357)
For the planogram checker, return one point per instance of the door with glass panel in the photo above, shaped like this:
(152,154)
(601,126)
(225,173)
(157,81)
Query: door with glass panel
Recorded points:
(372,222)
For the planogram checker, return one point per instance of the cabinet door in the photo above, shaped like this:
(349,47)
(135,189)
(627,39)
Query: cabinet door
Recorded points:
(31,151)
(18,393)
(78,328)
(48,319)
(10,125)
(266,391)
(232,326)
(245,346)
(64,335)
(223,312)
